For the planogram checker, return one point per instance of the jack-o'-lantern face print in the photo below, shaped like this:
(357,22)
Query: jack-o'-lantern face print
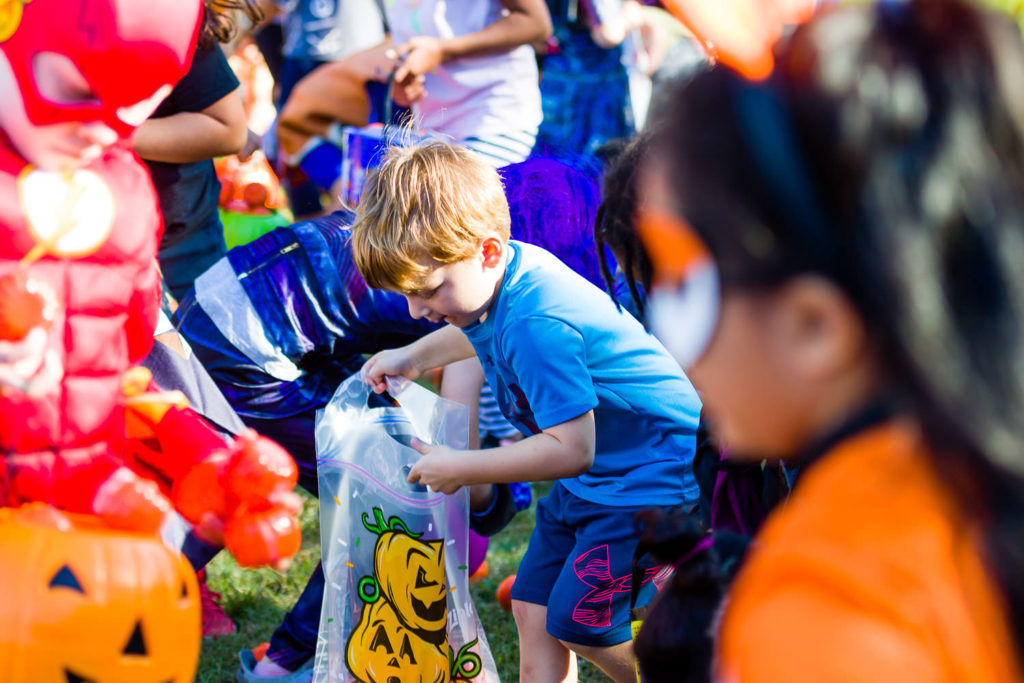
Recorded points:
(85,603)
(382,650)
(411,577)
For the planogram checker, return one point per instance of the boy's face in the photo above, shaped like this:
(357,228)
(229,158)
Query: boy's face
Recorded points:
(460,293)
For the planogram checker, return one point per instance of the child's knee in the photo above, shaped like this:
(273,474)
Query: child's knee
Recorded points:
(616,661)
(587,652)
(528,616)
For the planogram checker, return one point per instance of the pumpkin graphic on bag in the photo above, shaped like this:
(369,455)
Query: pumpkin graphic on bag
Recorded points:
(409,573)
(411,576)
(382,650)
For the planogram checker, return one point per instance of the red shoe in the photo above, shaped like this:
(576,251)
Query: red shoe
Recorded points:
(215,621)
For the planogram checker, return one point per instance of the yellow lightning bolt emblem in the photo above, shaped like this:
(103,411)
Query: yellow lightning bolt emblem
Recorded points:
(10,17)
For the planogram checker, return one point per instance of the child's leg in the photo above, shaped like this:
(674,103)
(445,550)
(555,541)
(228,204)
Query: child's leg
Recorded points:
(616,661)
(293,643)
(542,657)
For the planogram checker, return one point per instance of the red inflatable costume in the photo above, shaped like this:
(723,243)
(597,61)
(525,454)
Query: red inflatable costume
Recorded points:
(79,288)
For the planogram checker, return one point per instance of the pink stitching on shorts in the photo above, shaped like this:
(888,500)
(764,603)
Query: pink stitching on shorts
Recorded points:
(593,568)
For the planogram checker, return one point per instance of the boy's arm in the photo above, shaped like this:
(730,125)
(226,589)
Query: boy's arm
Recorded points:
(438,348)
(558,452)
(525,22)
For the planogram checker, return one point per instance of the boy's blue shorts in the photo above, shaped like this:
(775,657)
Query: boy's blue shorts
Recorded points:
(579,564)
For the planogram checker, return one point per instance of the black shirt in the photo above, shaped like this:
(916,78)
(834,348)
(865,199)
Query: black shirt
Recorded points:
(188,193)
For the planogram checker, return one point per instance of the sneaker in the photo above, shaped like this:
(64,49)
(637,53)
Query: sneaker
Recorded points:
(247,662)
(215,621)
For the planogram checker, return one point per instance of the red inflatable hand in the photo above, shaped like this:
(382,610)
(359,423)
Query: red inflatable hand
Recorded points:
(264,527)
(241,497)
(200,497)
(265,536)
(126,501)
(259,468)
(238,495)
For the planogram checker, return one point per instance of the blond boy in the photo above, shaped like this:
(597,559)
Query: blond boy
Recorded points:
(604,409)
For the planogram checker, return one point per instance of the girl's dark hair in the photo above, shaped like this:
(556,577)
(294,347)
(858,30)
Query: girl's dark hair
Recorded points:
(886,153)
(218,21)
(614,224)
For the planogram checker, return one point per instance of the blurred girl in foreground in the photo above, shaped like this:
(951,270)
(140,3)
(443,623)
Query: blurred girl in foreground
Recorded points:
(839,249)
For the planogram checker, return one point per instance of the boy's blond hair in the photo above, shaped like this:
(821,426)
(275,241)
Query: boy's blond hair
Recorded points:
(435,201)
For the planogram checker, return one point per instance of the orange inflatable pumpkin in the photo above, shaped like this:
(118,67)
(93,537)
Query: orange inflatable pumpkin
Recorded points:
(410,573)
(504,592)
(382,650)
(249,186)
(86,603)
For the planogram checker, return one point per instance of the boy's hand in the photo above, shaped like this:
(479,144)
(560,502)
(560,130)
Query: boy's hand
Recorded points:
(393,363)
(438,468)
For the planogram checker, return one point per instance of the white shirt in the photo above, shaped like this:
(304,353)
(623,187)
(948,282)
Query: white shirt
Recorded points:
(477,96)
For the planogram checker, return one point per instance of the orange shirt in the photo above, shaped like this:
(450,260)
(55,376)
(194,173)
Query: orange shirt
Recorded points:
(868,573)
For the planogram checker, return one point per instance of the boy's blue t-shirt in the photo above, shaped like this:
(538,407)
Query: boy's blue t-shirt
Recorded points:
(554,346)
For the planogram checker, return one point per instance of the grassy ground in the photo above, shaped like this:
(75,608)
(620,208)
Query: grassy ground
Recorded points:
(258,599)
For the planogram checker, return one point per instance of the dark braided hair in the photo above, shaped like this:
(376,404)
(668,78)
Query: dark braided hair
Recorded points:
(676,640)
(614,227)
(886,154)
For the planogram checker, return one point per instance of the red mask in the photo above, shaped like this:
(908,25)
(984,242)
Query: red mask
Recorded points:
(127,50)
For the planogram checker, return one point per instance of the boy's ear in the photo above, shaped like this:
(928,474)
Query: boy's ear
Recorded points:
(492,249)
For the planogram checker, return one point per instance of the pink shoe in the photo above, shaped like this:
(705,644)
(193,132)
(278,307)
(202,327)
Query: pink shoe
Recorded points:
(215,621)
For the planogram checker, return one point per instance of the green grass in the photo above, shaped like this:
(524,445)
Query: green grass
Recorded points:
(257,599)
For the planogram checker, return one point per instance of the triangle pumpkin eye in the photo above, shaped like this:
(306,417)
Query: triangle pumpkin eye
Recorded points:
(421,579)
(406,650)
(67,579)
(381,638)
(72,677)
(136,643)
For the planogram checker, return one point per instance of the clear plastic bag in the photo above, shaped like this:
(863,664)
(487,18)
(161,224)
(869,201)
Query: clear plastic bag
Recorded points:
(397,606)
